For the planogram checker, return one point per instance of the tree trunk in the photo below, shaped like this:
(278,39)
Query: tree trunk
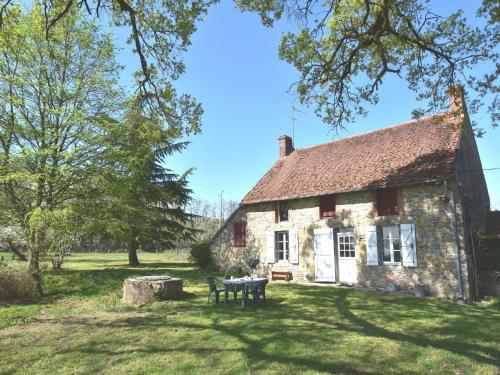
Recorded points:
(34,264)
(133,261)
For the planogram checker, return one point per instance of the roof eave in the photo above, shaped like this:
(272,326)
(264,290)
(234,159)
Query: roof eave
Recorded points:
(373,187)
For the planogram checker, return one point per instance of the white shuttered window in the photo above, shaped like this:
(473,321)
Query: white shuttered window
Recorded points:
(371,245)
(294,246)
(408,245)
(270,247)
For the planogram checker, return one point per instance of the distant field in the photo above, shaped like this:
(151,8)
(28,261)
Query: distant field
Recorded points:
(82,327)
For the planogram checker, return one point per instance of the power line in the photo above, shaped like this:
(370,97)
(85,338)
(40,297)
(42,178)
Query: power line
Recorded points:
(480,169)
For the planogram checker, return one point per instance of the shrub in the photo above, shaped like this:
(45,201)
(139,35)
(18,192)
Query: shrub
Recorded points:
(57,262)
(15,282)
(200,253)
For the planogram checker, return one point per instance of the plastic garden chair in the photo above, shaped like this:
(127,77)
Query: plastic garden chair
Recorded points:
(256,291)
(212,283)
(260,290)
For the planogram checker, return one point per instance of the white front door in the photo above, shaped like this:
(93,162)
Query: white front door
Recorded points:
(324,254)
(348,271)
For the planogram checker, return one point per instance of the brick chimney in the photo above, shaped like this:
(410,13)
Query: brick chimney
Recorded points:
(457,100)
(286,146)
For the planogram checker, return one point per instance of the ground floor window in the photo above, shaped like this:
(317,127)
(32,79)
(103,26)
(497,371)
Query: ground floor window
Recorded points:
(282,248)
(391,244)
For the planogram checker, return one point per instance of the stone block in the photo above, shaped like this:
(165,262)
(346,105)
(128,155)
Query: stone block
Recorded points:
(148,289)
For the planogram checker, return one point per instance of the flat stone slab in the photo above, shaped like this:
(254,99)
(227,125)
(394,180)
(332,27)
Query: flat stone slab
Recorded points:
(147,289)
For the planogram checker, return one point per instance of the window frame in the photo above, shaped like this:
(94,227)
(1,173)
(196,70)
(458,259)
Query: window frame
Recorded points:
(286,246)
(385,195)
(391,249)
(352,252)
(280,204)
(326,203)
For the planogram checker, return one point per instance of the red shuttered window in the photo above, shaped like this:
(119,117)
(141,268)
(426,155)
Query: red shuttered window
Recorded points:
(327,206)
(387,202)
(239,233)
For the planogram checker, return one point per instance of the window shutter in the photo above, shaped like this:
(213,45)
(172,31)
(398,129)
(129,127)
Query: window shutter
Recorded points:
(243,229)
(239,233)
(236,233)
(387,201)
(294,246)
(371,245)
(408,245)
(327,206)
(271,256)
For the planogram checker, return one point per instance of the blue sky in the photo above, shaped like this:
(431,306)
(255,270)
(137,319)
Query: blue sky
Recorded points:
(233,69)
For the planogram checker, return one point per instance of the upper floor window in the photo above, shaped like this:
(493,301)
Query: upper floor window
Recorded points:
(387,202)
(327,206)
(283,211)
(239,233)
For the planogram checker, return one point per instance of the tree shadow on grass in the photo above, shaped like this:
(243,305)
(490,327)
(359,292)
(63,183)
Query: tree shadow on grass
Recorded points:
(478,353)
(463,323)
(320,318)
(251,344)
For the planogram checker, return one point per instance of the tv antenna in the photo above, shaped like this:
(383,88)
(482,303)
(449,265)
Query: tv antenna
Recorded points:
(294,119)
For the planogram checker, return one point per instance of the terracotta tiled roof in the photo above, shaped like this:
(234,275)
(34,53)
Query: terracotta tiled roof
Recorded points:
(415,151)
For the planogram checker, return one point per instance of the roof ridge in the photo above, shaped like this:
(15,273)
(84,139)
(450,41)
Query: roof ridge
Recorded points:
(376,130)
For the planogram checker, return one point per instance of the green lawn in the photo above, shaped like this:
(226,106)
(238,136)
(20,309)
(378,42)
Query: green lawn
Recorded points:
(82,327)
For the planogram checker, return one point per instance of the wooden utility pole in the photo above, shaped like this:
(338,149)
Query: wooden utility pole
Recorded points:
(221,217)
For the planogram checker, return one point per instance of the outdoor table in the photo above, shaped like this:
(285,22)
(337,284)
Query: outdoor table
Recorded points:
(247,282)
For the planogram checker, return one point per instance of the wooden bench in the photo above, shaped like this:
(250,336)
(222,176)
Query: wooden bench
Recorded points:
(276,275)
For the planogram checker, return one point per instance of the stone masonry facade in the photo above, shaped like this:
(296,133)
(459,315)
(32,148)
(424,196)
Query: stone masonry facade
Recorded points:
(426,205)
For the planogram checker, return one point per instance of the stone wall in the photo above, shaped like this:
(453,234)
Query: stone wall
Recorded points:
(473,194)
(425,205)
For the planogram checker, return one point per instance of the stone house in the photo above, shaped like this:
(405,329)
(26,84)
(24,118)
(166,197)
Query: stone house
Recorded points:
(394,207)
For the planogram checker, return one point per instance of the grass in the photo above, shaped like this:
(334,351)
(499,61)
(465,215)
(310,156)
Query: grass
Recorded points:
(82,327)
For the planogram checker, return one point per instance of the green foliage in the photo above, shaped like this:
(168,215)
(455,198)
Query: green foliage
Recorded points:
(15,282)
(140,201)
(57,229)
(200,254)
(57,97)
(344,49)
(159,32)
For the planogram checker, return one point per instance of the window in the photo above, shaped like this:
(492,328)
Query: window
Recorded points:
(391,245)
(346,245)
(239,233)
(282,252)
(387,202)
(283,211)
(327,206)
